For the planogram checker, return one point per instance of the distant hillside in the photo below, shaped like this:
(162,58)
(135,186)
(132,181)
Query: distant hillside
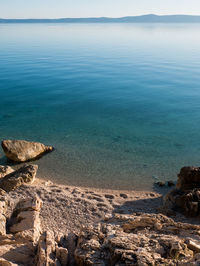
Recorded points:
(132,19)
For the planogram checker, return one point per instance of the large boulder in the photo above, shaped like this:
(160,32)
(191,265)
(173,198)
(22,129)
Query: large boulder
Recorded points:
(22,151)
(186,196)
(25,174)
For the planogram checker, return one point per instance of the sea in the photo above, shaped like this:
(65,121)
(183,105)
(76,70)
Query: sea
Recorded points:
(120,102)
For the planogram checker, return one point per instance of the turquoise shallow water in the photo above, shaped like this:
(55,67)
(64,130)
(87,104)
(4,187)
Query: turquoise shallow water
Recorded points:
(120,102)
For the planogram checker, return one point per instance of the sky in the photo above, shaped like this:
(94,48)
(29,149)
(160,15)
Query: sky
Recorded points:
(95,8)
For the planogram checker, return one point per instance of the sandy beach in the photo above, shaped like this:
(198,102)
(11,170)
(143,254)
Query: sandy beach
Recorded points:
(67,208)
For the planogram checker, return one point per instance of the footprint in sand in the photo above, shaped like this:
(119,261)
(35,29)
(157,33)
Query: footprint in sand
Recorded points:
(109,196)
(95,198)
(122,195)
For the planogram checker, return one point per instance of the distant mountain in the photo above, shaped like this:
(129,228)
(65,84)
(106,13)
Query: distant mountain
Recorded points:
(131,19)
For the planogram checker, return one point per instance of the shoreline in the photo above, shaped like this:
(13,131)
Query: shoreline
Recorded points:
(73,225)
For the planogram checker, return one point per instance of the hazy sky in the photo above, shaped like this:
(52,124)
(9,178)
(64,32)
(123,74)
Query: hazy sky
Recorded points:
(96,8)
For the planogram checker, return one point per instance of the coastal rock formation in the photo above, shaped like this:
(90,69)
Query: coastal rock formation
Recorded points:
(3,208)
(186,197)
(50,252)
(24,243)
(22,151)
(5,170)
(25,174)
(138,239)
(17,245)
(120,238)
(188,178)
(25,221)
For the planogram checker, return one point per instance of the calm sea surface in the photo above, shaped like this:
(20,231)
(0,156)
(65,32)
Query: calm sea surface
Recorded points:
(119,102)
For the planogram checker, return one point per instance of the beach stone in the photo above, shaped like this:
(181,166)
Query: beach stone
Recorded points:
(5,170)
(123,195)
(25,174)
(22,151)
(170,183)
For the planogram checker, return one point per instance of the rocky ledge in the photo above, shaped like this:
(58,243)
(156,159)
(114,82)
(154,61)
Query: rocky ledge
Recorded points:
(120,236)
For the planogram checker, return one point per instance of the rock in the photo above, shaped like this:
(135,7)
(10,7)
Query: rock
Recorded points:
(188,178)
(19,248)
(170,183)
(26,174)
(25,219)
(187,202)
(160,183)
(3,208)
(123,195)
(50,251)
(5,170)
(15,252)
(193,246)
(62,255)
(138,239)
(186,197)
(6,263)
(2,224)
(22,151)
(46,249)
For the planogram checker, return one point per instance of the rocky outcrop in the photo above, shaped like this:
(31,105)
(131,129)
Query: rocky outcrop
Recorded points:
(138,239)
(186,197)
(3,208)
(51,250)
(25,174)
(18,244)
(24,243)
(25,221)
(22,151)
(188,178)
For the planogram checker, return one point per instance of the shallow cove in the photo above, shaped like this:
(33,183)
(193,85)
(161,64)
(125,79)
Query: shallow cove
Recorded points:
(119,102)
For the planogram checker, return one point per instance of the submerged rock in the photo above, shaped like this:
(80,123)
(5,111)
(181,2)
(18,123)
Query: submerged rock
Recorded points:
(25,174)
(22,151)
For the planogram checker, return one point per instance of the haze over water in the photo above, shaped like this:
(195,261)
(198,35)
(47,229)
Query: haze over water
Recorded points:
(119,102)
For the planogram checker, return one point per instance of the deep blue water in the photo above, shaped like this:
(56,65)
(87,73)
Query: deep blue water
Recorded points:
(119,102)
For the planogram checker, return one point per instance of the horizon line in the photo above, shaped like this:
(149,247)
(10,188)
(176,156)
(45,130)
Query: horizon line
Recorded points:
(101,17)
